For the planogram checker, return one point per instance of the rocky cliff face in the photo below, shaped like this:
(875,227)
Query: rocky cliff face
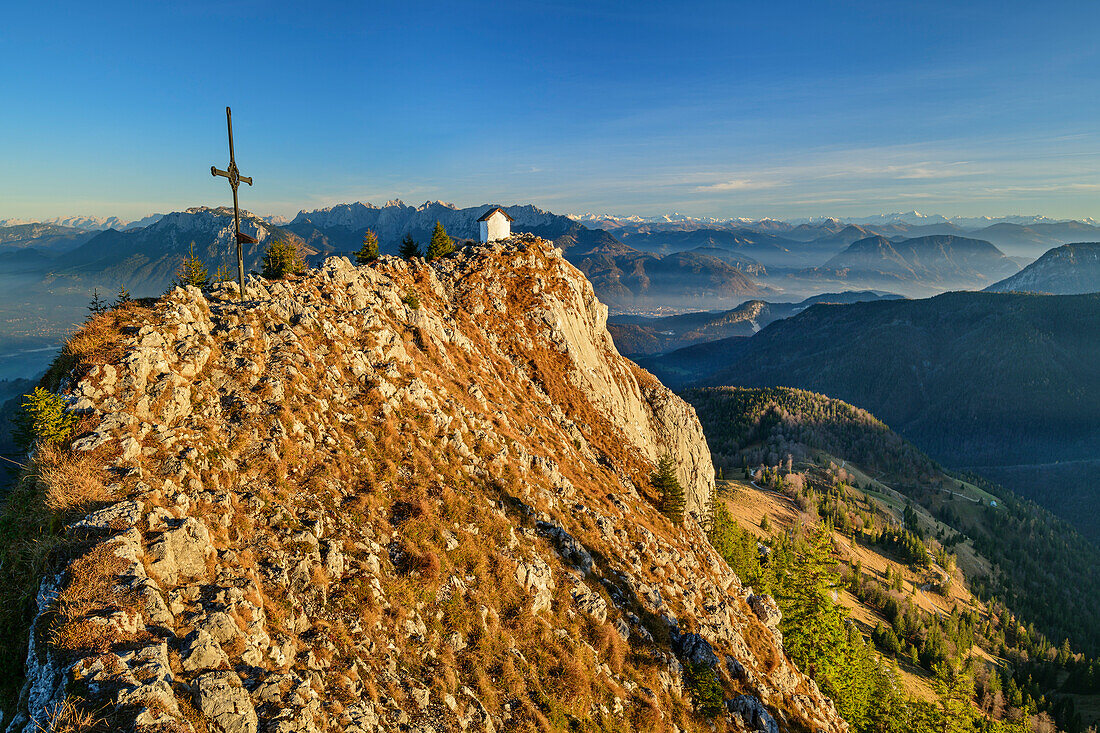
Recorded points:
(394,497)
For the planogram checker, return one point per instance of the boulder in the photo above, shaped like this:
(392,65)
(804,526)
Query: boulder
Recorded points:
(570,549)
(695,649)
(766,609)
(753,713)
(202,651)
(180,553)
(224,703)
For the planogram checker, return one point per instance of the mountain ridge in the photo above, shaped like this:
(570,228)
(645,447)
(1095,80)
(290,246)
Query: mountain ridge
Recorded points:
(941,259)
(1071,269)
(379,496)
(973,379)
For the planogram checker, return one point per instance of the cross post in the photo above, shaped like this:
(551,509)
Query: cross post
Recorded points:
(235,179)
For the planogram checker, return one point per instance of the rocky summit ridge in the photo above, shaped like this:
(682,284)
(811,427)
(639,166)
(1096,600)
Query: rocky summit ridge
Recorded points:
(401,496)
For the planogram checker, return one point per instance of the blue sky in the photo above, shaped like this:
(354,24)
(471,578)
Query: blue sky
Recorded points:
(780,109)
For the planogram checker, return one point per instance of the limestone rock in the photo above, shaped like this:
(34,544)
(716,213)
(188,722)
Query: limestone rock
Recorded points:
(201,651)
(571,550)
(225,704)
(590,603)
(766,609)
(180,553)
(120,516)
(695,649)
(753,712)
(537,578)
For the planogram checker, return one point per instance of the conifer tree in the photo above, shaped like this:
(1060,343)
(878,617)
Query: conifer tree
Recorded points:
(954,685)
(669,489)
(440,244)
(811,623)
(712,508)
(44,419)
(814,630)
(98,306)
(409,247)
(122,297)
(192,271)
(282,259)
(222,274)
(369,251)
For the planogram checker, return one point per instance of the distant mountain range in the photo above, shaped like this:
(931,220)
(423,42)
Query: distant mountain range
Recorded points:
(341,227)
(749,246)
(1067,270)
(61,265)
(1026,236)
(43,237)
(943,261)
(87,223)
(636,263)
(908,217)
(641,336)
(623,276)
(146,259)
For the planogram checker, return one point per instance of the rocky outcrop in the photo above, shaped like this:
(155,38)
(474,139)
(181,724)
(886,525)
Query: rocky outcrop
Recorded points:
(392,497)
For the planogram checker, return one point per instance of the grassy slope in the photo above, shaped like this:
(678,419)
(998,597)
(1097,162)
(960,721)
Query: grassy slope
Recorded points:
(749,505)
(1015,550)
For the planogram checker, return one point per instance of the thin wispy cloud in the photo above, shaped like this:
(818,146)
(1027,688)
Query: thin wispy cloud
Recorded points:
(739,184)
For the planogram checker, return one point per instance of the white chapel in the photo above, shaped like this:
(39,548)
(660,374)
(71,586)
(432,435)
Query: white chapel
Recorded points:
(495,224)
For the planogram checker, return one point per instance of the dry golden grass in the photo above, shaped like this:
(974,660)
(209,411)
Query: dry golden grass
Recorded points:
(235,647)
(91,584)
(611,647)
(90,588)
(71,482)
(191,714)
(82,636)
(96,342)
(320,578)
(70,716)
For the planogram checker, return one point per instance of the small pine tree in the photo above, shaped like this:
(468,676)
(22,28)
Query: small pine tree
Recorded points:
(705,687)
(44,419)
(669,489)
(409,247)
(282,259)
(369,251)
(222,274)
(440,244)
(192,271)
(98,306)
(411,299)
(122,297)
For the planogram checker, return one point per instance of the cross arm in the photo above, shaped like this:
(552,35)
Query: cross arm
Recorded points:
(215,171)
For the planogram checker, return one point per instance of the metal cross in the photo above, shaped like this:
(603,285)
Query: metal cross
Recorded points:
(235,179)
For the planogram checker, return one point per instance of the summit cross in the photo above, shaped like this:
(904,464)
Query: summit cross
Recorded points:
(235,179)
